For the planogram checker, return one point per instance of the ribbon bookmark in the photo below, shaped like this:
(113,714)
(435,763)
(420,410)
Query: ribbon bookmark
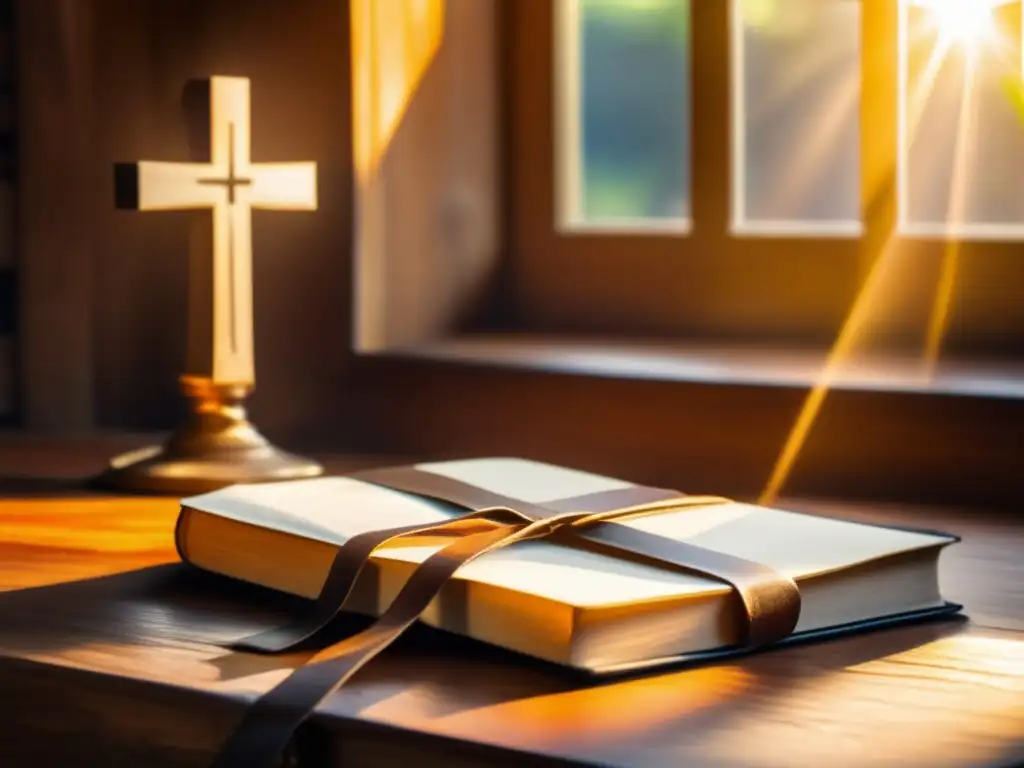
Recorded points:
(263,735)
(771,600)
(355,553)
(345,569)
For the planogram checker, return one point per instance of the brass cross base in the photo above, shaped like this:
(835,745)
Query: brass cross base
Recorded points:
(217,446)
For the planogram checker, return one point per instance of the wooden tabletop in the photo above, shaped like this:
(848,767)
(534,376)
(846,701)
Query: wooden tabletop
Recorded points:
(106,659)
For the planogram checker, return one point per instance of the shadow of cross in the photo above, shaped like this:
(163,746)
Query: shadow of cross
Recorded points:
(229,186)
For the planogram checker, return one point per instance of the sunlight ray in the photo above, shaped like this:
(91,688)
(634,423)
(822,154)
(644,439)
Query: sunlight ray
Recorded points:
(938,321)
(827,59)
(394,43)
(865,301)
(844,107)
(840,352)
(925,85)
(914,94)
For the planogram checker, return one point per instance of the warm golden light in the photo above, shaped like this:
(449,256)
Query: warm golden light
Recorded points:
(83,538)
(884,705)
(968,22)
(970,26)
(599,716)
(393,45)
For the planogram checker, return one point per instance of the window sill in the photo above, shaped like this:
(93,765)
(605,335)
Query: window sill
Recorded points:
(722,365)
(702,419)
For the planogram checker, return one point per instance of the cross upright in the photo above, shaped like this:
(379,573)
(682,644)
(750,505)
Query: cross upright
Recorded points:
(229,186)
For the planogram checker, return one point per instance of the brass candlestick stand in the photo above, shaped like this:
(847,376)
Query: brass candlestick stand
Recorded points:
(217,446)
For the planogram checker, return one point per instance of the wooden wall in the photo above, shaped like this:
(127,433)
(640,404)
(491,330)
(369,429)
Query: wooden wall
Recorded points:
(8,265)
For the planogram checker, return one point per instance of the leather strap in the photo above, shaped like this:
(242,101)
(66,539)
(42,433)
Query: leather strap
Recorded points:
(442,488)
(263,735)
(346,567)
(354,554)
(771,600)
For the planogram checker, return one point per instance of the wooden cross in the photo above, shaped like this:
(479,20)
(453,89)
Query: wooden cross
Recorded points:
(220,346)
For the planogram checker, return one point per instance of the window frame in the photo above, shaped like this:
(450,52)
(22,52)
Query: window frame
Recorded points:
(712,284)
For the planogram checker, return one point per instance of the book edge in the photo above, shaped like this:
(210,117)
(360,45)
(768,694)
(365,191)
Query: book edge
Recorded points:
(948,610)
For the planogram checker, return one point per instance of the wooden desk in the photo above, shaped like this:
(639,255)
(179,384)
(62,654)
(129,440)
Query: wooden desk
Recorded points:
(105,661)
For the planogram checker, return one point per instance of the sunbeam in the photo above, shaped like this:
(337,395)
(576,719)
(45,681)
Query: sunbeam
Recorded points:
(842,108)
(969,27)
(826,60)
(923,88)
(837,356)
(970,23)
(966,134)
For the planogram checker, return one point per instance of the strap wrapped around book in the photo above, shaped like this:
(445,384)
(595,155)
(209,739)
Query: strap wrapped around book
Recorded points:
(771,600)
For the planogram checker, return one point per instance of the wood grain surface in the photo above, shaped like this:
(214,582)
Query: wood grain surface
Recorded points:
(108,657)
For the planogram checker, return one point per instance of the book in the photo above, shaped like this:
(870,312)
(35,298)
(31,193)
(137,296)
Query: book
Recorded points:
(565,602)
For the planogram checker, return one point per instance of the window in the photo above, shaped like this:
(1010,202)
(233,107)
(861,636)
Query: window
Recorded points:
(624,114)
(960,144)
(795,127)
(625,109)
(733,169)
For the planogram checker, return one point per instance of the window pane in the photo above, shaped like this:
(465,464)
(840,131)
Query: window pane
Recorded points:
(796,117)
(961,144)
(625,112)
